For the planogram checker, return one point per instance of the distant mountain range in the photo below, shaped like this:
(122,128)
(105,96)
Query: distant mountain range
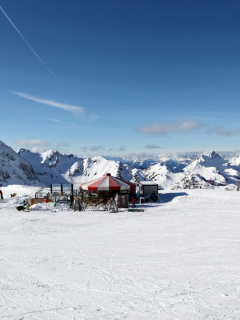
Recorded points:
(208,169)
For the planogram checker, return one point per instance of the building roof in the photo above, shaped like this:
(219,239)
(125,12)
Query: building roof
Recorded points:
(148,183)
(108,183)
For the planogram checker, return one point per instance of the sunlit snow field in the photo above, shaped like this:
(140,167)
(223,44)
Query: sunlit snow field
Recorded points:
(179,259)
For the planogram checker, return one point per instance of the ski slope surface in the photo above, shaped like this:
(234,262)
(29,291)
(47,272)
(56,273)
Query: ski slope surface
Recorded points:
(177,260)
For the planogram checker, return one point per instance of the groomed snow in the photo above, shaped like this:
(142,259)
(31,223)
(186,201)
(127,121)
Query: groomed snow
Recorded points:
(178,260)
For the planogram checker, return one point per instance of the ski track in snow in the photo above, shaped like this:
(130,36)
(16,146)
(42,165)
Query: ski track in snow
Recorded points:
(177,260)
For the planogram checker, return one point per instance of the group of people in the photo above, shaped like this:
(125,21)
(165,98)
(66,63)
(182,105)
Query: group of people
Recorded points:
(24,205)
(75,203)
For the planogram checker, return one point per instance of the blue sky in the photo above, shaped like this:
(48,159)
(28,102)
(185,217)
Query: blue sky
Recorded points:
(106,77)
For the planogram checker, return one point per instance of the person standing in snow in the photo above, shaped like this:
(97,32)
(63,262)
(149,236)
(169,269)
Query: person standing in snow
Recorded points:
(1,194)
(71,201)
(79,205)
(75,203)
(133,202)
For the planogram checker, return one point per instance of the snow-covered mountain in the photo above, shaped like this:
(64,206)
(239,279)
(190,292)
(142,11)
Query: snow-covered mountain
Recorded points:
(54,167)
(14,169)
(162,174)
(208,168)
(211,169)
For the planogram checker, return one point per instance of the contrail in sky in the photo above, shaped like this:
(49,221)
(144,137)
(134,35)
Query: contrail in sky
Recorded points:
(44,64)
(67,107)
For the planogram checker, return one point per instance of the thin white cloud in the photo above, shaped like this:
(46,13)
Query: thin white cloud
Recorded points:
(29,46)
(38,149)
(182,126)
(31,143)
(97,148)
(56,120)
(63,122)
(36,146)
(221,131)
(39,146)
(63,144)
(153,146)
(55,104)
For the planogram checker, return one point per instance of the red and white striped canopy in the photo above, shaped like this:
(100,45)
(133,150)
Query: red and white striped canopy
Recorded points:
(107,183)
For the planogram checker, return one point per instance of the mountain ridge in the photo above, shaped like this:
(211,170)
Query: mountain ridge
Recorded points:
(26,167)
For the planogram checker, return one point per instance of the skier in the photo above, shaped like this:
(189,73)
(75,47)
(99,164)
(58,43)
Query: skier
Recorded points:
(1,194)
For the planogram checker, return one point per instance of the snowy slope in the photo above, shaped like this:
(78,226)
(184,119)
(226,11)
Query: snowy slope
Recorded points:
(54,167)
(207,168)
(211,167)
(14,169)
(162,175)
(235,161)
(179,259)
(51,166)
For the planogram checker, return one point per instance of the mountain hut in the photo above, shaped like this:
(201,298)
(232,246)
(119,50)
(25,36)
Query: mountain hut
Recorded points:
(147,188)
(99,191)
